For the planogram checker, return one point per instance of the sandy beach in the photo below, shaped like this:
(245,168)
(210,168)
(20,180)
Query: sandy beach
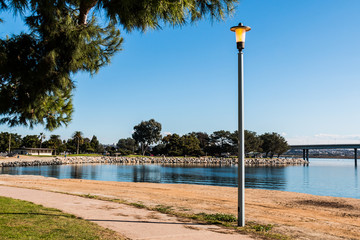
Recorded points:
(301,216)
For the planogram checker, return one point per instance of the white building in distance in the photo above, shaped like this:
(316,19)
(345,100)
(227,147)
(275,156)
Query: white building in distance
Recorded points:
(33,151)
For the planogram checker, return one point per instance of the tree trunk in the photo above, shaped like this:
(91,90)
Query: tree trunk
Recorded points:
(85,7)
(144,147)
(77,149)
(9,143)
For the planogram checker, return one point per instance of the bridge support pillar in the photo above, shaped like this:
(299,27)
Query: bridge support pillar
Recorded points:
(304,154)
(307,155)
(355,154)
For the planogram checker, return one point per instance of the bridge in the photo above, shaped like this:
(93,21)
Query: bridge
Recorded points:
(306,148)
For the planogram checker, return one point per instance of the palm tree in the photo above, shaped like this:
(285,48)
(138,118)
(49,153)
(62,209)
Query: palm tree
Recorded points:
(41,137)
(54,142)
(78,136)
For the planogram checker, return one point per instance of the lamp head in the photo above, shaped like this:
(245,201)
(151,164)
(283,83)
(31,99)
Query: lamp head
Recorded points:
(240,32)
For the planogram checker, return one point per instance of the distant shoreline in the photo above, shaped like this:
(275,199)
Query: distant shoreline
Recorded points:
(332,157)
(34,161)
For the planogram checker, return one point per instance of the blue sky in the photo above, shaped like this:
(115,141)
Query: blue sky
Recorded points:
(302,78)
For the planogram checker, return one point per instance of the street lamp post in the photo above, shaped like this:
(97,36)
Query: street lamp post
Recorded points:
(240,32)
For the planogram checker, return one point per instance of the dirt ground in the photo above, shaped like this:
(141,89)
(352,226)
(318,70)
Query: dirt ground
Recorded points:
(301,216)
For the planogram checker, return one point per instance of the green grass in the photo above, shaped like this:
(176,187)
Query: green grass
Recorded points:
(25,220)
(40,156)
(133,156)
(68,155)
(82,155)
(218,218)
(142,156)
(163,209)
(137,205)
(88,196)
(261,228)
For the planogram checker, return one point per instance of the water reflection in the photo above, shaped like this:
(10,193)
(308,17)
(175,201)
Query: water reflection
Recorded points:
(76,171)
(93,172)
(266,177)
(306,175)
(321,177)
(146,173)
(53,170)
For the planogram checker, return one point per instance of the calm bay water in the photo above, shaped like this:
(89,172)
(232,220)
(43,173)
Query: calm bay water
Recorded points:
(327,177)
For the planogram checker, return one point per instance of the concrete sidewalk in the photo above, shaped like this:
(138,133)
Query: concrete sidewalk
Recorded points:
(132,222)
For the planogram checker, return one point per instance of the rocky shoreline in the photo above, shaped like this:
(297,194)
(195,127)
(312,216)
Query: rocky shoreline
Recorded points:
(152,160)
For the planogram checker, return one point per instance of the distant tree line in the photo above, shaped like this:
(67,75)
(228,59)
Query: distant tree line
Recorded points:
(76,144)
(147,140)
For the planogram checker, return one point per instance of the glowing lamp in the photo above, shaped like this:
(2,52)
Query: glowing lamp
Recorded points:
(240,32)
